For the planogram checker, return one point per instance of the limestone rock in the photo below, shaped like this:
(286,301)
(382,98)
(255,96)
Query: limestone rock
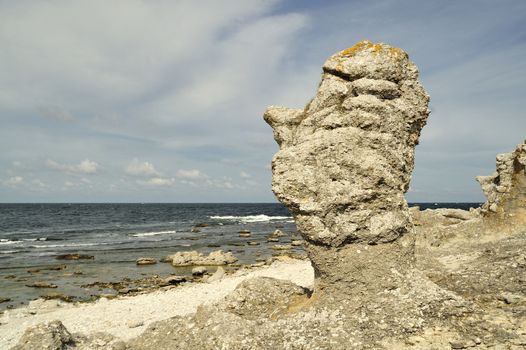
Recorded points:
(345,162)
(52,336)
(146,261)
(505,190)
(217,257)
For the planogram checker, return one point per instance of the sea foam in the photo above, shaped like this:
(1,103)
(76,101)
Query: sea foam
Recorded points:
(251,218)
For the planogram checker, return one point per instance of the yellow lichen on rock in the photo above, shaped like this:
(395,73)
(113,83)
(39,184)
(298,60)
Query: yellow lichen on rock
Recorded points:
(376,48)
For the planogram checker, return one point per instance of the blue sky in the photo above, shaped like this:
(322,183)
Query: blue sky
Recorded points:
(162,101)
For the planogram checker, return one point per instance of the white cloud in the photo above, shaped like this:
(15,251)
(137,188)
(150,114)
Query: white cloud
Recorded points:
(85,167)
(191,174)
(69,184)
(14,181)
(38,184)
(159,181)
(138,168)
(245,175)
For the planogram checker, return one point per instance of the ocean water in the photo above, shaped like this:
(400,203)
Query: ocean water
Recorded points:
(32,235)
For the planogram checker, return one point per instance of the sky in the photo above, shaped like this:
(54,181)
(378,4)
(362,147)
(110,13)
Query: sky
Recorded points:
(162,101)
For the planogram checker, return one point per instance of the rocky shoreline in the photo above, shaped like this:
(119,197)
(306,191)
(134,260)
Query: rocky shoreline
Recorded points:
(378,276)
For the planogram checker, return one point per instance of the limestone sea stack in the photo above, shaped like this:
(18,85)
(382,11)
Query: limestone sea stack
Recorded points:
(505,190)
(344,164)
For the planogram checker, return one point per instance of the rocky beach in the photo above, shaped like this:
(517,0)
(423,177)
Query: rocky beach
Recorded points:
(364,270)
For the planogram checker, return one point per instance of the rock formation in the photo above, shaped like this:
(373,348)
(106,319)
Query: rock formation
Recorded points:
(344,164)
(505,190)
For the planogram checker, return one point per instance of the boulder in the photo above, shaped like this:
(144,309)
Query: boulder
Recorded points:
(52,335)
(190,258)
(345,162)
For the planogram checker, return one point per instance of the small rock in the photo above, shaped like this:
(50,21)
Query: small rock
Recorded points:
(173,280)
(245,234)
(199,271)
(10,277)
(41,285)
(214,245)
(282,247)
(134,324)
(201,225)
(4,300)
(253,243)
(195,230)
(278,233)
(244,231)
(296,243)
(272,239)
(146,261)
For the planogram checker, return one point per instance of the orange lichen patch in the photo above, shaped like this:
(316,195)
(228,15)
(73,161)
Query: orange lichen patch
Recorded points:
(375,48)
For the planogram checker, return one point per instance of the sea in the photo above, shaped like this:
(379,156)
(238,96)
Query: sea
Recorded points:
(33,235)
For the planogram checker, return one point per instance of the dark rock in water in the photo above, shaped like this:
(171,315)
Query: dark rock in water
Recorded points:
(253,243)
(47,268)
(146,261)
(272,239)
(214,245)
(41,285)
(243,231)
(9,277)
(52,335)
(74,257)
(58,296)
(172,280)
(245,234)
(4,300)
(202,225)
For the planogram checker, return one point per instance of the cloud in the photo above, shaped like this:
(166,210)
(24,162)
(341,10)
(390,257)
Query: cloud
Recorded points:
(138,168)
(245,175)
(191,174)
(55,112)
(159,181)
(14,181)
(85,167)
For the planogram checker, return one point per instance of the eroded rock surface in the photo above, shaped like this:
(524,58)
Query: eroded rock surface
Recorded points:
(505,190)
(345,162)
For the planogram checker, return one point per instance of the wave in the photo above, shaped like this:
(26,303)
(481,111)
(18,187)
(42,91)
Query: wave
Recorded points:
(4,241)
(251,218)
(147,234)
(67,245)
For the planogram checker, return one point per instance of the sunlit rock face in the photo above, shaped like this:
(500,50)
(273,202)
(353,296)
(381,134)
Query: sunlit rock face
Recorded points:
(505,190)
(345,162)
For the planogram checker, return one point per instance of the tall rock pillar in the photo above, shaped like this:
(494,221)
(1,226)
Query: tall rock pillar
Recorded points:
(344,164)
